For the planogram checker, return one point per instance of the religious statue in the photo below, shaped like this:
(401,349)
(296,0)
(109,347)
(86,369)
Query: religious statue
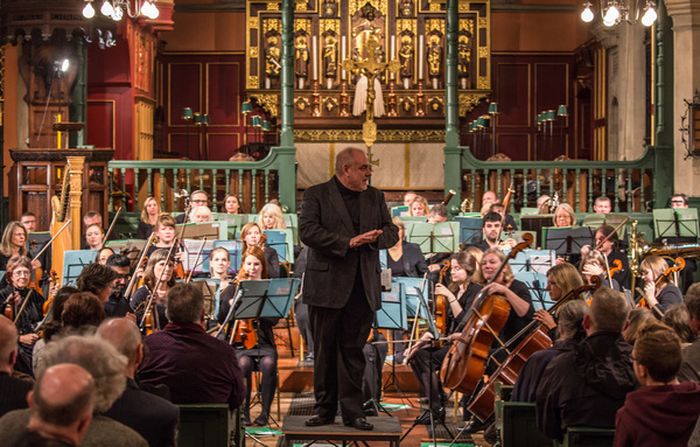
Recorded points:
(330,56)
(329,8)
(301,56)
(463,56)
(406,8)
(406,56)
(272,57)
(434,57)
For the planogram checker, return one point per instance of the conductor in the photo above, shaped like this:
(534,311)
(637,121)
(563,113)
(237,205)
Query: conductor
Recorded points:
(344,222)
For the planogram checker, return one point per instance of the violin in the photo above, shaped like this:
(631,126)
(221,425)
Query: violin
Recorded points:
(464,364)
(53,281)
(441,301)
(244,333)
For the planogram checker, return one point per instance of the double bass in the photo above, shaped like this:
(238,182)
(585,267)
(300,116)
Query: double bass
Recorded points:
(466,360)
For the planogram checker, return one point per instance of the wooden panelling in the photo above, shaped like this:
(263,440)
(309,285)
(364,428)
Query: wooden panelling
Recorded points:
(514,145)
(101,115)
(184,84)
(514,93)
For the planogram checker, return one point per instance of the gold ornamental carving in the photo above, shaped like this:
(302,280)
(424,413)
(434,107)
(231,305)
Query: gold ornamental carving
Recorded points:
(273,6)
(268,101)
(330,25)
(380,5)
(302,25)
(271,25)
(384,136)
(467,102)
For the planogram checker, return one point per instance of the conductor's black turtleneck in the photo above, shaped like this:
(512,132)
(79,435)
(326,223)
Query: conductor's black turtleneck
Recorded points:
(352,203)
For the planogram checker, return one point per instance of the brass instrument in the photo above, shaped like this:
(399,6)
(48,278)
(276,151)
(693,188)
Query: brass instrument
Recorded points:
(451,193)
(466,206)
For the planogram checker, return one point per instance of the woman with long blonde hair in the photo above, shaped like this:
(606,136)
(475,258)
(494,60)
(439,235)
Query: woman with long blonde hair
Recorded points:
(148,218)
(271,217)
(159,272)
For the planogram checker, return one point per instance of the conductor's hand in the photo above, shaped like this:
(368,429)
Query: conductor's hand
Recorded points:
(365,238)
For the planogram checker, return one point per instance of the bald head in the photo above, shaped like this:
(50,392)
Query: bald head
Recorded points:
(63,395)
(352,169)
(123,334)
(8,343)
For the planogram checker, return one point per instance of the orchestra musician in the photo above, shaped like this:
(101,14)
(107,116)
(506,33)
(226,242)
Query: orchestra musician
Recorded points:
(165,233)
(419,207)
(271,217)
(426,359)
(200,214)
(14,243)
(12,301)
(561,280)
(564,216)
(263,355)
(231,204)
(103,255)
(405,258)
(149,217)
(220,268)
(94,235)
(606,240)
(593,264)
(659,291)
(28,221)
(158,267)
(251,235)
(197,198)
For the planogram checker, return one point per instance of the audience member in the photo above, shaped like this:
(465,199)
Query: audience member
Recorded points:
(13,391)
(678,319)
(195,366)
(97,279)
(587,385)
(690,368)
(636,320)
(663,411)
(152,417)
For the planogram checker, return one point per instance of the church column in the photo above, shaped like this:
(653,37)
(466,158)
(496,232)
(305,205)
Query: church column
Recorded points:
(452,150)
(631,113)
(286,150)
(686,79)
(78,105)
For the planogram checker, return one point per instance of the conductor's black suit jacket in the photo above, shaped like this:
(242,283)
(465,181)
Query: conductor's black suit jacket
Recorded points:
(326,228)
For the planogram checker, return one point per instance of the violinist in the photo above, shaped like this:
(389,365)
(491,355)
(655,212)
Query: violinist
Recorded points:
(97,279)
(14,243)
(263,355)
(231,204)
(593,264)
(149,217)
(220,268)
(561,280)
(12,301)
(659,292)
(94,236)
(103,255)
(405,258)
(165,233)
(424,359)
(117,305)
(158,267)
(271,217)
(251,235)
(606,239)
(508,220)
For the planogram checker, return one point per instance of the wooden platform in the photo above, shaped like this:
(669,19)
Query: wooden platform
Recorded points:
(386,429)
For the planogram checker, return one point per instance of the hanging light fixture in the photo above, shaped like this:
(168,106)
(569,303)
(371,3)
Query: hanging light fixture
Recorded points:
(115,9)
(615,11)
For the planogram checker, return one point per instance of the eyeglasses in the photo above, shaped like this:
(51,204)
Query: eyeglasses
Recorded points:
(199,201)
(21,273)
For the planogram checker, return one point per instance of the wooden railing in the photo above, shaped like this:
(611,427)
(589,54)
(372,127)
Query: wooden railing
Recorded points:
(632,186)
(255,183)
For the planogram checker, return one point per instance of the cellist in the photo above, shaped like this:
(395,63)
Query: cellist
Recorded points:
(659,292)
(425,359)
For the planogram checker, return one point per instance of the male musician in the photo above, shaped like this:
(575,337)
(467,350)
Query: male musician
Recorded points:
(499,208)
(438,213)
(679,201)
(602,205)
(491,230)
(28,220)
(344,222)
(197,198)
(117,305)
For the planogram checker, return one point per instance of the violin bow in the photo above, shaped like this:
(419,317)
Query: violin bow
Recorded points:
(111,228)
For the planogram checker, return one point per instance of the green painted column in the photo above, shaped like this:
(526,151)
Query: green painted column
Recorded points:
(286,151)
(78,106)
(663,148)
(452,150)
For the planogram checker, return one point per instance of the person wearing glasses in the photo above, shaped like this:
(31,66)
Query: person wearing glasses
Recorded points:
(197,198)
(679,201)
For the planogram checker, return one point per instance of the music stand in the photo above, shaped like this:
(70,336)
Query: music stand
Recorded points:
(74,261)
(281,241)
(210,230)
(411,297)
(470,229)
(416,219)
(594,221)
(392,314)
(209,287)
(537,285)
(445,237)
(36,242)
(420,233)
(678,224)
(533,261)
(234,250)
(126,245)
(291,220)
(567,241)
(399,211)
(234,222)
(192,263)
(536,223)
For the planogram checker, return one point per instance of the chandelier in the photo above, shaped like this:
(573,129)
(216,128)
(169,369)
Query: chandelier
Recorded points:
(115,9)
(616,11)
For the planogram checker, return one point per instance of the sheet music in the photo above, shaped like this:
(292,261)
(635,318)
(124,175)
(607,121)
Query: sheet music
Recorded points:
(192,246)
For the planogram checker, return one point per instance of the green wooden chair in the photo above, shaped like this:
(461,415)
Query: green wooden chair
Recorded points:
(209,425)
(588,437)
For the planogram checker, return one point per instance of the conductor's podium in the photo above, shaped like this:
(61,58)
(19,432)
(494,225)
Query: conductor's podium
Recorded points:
(386,429)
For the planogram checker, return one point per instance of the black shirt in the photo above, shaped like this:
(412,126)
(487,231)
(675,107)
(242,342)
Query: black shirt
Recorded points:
(352,203)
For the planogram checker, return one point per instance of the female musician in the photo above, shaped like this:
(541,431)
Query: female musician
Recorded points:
(12,301)
(200,214)
(561,280)
(103,255)
(14,243)
(157,268)
(659,292)
(231,204)
(593,264)
(94,235)
(564,216)
(606,242)
(251,235)
(220,268)
(149,218)
(419,207)
(405,258)
(271,217)
(425,361)
(165,233)
(263,356)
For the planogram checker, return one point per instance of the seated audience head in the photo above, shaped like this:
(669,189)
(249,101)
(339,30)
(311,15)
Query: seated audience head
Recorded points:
(651,269)
(98,357)
(409,197)
(185,304)
(271,217)
(657,355)
(352,169)
(150,210)
(253,265)
(94,235)
(200,214)
(14,239)
(29,221)
(692,302)
(19,272)
(55,323)
(602,205)
(8,344)
(124,335)
(679,201)
(165,229)
(97,279)
(158,267)
(491,226)
(419,207)
(677,318)
(103,255)
(564,216)
(231,204)
(570,320)
(82,311)
(219,262)
(438,213)
(199,198)
(606,238)
(251,235)
(121,265)
(61,403)
(636,320)
(562,279)
(92,218)
(609,311)
(463,268)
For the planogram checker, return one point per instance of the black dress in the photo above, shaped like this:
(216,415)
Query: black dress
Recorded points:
(144,230)
(138,304)
(30,316)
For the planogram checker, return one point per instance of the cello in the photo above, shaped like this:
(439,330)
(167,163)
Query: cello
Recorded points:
(678,265)
(535,339)
(465,362)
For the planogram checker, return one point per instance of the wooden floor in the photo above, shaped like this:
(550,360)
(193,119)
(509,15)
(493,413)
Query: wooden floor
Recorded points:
(296,381)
